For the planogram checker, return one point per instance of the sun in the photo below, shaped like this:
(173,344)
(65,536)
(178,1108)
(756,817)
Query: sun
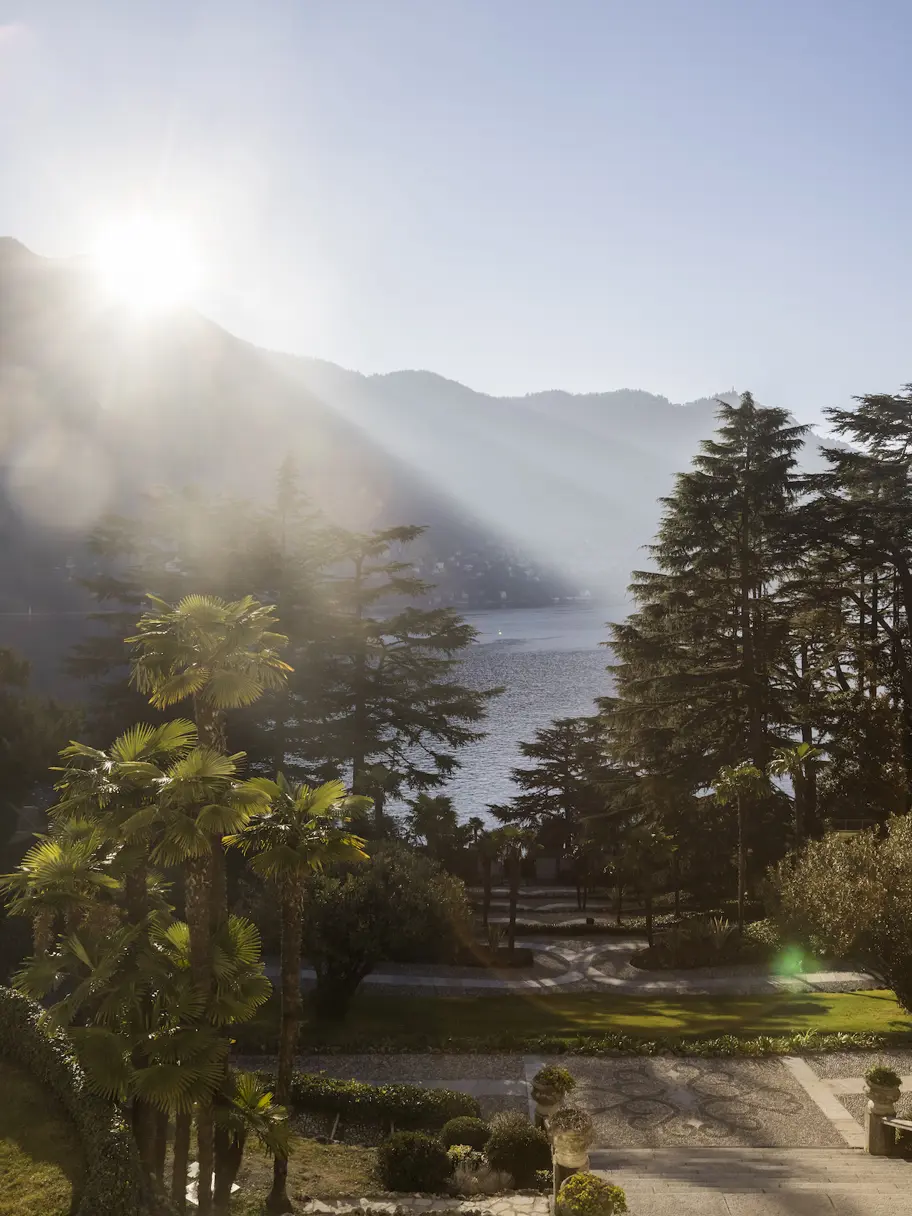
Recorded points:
(148,262)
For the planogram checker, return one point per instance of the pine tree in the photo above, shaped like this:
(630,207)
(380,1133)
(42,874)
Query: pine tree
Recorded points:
(565,787)
(862,524)
(697,671)
(382,702)
(694,675)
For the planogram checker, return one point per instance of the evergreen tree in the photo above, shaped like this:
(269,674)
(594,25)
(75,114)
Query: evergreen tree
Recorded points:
(697,670)
(382,702)
(696,661)
(861,522)
(565,786)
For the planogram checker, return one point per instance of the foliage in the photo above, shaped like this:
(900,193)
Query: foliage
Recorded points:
(878,1075)
(585,1194)
(853,896)
(465,1129)
(397,906)
(703,943)
(517,1147)
(554,1079)
(113,1183)
(405,1105)
(413,1161)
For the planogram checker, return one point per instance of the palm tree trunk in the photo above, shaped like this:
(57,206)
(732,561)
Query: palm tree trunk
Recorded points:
(742,865)
(676,878)
(486,886)
(278,1200)
(199,920)
(514,896)
(619,906)
(181,1160)
(161,1145)
(143,1124)
(647,884)
(205,1143)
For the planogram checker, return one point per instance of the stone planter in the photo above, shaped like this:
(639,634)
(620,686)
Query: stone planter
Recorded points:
(572,1134)
(547,1101)
(880,1140)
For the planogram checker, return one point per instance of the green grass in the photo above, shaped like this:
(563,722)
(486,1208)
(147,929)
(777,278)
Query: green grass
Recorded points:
(568,1015)
(321,1171)
(40,1156)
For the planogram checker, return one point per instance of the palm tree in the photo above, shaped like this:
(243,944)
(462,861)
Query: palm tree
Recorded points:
(488,847)
(223,655)
(647,849)
(297,832)
(513,844)
(739,784)
(797,763)
(243,1108)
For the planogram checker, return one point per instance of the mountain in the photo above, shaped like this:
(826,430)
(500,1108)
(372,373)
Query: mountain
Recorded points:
(526,499)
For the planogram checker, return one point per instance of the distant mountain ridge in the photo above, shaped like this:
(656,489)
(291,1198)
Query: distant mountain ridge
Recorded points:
(527,499)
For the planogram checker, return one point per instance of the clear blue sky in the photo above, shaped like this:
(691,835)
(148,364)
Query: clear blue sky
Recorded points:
(676,195)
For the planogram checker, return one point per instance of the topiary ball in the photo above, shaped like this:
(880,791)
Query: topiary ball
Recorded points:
(465,1130)
(585,1194)
(517,1147)
(412,1161)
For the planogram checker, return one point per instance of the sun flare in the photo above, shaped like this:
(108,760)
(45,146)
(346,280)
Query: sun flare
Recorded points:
(148,263)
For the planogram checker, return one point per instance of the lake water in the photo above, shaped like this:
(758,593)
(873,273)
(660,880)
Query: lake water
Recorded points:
(552,665)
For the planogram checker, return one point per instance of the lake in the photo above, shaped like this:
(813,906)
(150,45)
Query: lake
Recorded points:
(551,664)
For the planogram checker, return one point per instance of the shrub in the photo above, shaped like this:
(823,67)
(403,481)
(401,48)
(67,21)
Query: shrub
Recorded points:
(554,1079)
(465,1130)
(543,1180)
(398,906)
(404,1105)
(587,1195)
(878,1075)
(466,1156)
(412,1161)
(114,1183)
(852,897)
(517,1147)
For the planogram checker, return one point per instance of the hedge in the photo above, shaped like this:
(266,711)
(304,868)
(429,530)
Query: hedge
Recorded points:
(608,1045)
(113,1183)
(403,1105)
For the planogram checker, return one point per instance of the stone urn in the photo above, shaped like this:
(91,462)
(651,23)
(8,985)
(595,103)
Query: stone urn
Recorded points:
(882,1092)
(546,1103)
(550,1086)
(571,1133)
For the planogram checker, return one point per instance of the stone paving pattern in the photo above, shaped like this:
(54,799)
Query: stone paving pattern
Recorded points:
(600,964)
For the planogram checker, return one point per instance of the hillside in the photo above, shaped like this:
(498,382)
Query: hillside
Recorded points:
(526,499)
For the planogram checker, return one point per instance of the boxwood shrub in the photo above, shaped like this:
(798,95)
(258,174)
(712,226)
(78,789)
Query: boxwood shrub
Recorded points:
(412,1161)
(465,1129)
(407,1106)
(113,1182)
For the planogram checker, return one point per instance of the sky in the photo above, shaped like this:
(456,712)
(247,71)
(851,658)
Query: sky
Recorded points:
(682,196)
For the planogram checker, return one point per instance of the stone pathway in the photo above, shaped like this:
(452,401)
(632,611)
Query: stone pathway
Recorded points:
(604,965)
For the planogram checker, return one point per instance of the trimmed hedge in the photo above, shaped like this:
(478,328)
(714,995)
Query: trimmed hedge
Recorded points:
(613,1044)
(113,1184)
(404,1105)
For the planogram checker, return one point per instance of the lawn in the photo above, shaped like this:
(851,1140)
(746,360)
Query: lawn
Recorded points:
(571,1014)
(314,1171)
(40,1157)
